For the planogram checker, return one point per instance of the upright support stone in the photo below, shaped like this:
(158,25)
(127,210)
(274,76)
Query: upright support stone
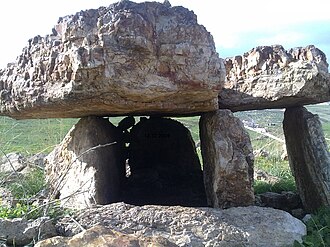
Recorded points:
(86,169)
(309,157)
(228,160)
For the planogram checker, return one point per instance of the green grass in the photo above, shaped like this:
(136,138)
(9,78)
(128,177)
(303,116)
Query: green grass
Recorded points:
(23,189)
(27,186)
(318,230)
(32,136)
(278,168)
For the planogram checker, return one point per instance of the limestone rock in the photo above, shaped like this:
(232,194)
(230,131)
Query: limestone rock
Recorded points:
(309,157)
(12,162)
(227,160)
(198,227)
(7,198)
(128,58)
(20,231)
(271,77)
(100,236)
(88,165)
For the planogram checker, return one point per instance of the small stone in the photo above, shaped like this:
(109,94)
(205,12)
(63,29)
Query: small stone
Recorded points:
(285,201)
(12,162)
(306,218)
(261,153)
(299,213)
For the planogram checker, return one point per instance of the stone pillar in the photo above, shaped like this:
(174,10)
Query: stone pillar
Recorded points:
(309,157)
(82,171)
(227,160)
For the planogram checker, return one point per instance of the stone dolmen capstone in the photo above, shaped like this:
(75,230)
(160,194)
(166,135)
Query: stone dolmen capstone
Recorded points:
(128,58)
(272,77)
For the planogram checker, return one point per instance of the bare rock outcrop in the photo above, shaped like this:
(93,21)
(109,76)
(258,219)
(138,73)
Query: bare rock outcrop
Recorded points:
(227,160)
(272,77)
(309,157)
(87,167)
(128,58)
(198,227)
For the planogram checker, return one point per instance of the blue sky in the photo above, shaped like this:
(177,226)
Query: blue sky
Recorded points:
(237,26)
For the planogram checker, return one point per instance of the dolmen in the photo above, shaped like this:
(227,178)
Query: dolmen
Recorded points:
(148,62)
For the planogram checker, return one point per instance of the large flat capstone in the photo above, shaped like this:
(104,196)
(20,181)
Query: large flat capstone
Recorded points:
(128,58)
(272,77)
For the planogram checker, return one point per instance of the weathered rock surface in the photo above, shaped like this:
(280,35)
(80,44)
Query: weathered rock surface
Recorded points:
(309,157)
(100,236)
(88,166)
(271,77)
(242,226)
(12,162)
(20,231)
(165,168)
(285,201)
(227,160)
(128,58)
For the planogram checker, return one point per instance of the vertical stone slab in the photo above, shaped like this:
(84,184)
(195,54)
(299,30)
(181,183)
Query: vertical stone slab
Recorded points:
(85,170)
(228,160)
(309,157)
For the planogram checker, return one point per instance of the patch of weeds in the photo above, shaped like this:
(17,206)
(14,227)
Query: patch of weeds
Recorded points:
(278,168)
(28,185)
(282,185)
(19,211)
(33,211)
(318,230)
(24,189)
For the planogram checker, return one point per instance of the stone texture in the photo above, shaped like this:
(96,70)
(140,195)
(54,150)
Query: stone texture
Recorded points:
(81,171)
(100,236)
(12,162)
(198,227)
(128,58)
(165,167)
(271,77)
(309,157)
(6,197)
(286,201)
(19,232)
(227,160)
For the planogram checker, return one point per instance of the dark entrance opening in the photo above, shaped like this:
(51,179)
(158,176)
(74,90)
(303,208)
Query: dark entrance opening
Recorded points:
(164,166)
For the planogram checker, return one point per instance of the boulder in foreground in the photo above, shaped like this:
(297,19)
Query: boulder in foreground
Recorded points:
(183,226)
